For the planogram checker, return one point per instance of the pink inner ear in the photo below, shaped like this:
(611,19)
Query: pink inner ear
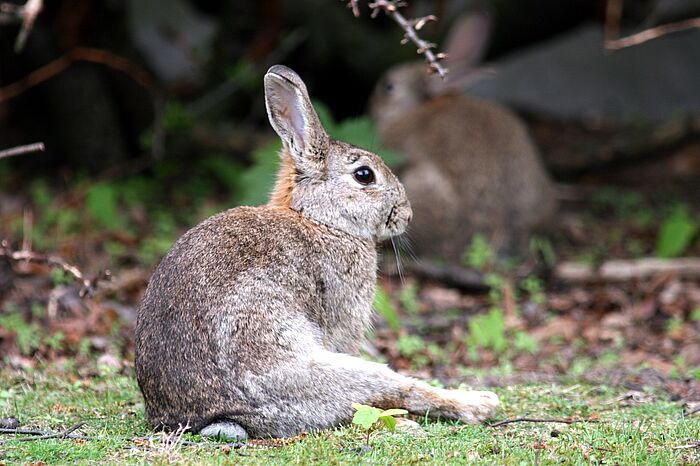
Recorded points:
(291,110)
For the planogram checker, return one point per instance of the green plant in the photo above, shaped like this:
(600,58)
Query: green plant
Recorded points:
(385,308)
(479,253)
(101,203)
(543,248)
(534,288)
(673,324)
(676,233)
(27,335)
(408,345)
(370,418)
(523,341)
(489,330)
(408,297)
(695,314)
(176,117)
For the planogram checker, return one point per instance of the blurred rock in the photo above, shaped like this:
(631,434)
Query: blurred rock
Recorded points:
(175,45)
(592,107)
(572,77)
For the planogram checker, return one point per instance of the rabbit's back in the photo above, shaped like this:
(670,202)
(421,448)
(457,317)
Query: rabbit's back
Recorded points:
(472,168)
(240,293)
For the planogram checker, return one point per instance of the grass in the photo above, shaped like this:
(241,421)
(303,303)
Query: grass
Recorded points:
(110,404)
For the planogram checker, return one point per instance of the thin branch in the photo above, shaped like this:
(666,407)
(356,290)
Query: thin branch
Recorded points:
(653,33)
(530,419)
(87,285)
(688,446)
(68,434)
(410,27)
(26,13)
(47,436)
(352,4)
(102,57)
(20,150)
(613,15)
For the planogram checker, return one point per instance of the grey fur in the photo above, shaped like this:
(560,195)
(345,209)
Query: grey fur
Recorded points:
(472,166)
(252,316)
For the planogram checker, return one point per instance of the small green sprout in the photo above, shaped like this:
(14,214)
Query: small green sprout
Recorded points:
(371,418)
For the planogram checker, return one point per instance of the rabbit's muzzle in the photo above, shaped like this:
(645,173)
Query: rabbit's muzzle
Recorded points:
(397,220)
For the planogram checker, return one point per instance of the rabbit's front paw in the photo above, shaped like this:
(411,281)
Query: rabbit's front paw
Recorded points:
(473,406)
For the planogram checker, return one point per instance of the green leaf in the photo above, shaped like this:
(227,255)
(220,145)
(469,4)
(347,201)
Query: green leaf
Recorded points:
(394,412)
(101,201)
(695,314)
(365,416)
(488,331)
(386,309)
(676,233)
(389,422)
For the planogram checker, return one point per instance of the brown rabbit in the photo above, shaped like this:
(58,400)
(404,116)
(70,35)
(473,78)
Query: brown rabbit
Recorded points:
(249,323)
(472,166)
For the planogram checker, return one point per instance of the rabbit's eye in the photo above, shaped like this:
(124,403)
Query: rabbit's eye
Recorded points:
(364,175)
(388,86)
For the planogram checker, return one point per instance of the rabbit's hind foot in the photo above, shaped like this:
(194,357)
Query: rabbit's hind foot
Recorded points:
(225,430)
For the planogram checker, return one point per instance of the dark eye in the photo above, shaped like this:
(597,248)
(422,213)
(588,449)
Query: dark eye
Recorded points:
(388,86)
(364,175)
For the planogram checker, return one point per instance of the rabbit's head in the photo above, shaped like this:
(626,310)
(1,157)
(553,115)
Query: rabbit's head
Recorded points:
(328,181)
(408,84)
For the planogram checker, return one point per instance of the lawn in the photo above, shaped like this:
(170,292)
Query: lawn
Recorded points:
(617,427)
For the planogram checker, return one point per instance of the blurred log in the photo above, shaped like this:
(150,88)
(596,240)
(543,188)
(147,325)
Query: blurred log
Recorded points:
(626,270)
(448,274)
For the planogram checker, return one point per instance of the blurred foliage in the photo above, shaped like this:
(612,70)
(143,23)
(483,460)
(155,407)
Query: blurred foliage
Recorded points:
(676,232)
(385,308)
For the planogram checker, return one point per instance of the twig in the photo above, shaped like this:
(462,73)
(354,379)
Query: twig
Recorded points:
(410,27)
(102,57)
(688,446)
(43,435)
(692,411)
(47,436)
(530,419)
(352,4)
(653,33)
(88,285)
(613,14)
(20,150)
(26,13)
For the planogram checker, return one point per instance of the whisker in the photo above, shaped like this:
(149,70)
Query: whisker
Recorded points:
(406,245)
(397,255)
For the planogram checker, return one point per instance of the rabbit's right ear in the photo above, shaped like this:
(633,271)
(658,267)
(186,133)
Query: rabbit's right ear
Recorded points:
(468,39)
(294,119)
(465,46)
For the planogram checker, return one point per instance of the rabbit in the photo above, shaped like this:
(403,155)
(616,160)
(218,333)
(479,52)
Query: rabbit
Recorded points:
(471,165)
(250,323)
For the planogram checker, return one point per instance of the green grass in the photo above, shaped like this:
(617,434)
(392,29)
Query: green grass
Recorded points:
(112,408)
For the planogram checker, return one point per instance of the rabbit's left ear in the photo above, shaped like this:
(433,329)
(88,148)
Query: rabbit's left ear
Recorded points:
(294,119)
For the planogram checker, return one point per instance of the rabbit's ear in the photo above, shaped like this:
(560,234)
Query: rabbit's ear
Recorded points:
(294,119)
(468,39)
(466,46)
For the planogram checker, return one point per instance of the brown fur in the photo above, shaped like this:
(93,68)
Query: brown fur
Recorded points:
(286,178)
